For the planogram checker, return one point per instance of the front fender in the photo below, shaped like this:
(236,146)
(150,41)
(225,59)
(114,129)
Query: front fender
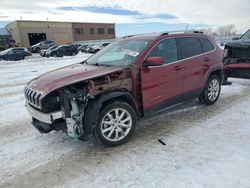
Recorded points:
(94,107)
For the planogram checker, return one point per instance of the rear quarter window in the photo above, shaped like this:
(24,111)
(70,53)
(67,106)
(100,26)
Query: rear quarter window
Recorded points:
(190,46)
(207,45)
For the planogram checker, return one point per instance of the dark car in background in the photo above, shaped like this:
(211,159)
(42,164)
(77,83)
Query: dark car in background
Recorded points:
(42,45)
(82,48)
(47,51)
(237,57)
(14,54)
(62,50)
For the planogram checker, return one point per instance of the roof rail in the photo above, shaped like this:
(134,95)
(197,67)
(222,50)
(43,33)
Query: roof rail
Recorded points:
(127,36)
(180,31)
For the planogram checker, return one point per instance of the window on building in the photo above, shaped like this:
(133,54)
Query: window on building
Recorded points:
(79,31)
(111,31)
(92,31)
(100,31)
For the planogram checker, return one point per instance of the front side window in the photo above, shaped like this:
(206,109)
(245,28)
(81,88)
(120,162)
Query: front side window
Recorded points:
(167,49)
(119,53)
(190,46)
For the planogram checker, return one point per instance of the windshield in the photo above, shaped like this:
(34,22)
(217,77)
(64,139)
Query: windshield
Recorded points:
(5,51)
(246,36)
(119,53)
(52,47)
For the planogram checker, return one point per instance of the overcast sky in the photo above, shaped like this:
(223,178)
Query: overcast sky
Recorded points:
(133,16)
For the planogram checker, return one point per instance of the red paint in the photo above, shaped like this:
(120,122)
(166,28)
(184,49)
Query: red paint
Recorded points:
(56,79)
(155,61)
(149,85)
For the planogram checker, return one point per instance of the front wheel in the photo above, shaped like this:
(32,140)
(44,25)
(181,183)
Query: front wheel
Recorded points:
(116,124)
(37,50)
(211,92)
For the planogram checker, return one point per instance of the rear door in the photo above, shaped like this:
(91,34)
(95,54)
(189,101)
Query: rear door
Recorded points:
(162,85)
(195,63)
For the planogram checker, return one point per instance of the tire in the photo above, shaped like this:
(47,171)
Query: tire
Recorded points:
(37,50)
(212,90)
(114,132)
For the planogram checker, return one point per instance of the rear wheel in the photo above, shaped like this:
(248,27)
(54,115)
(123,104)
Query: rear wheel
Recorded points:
(37,50)
(116,124)
(211,92)
(54,55)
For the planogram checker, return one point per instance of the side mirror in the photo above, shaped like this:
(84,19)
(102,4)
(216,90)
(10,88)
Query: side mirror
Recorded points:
(235,38)
(154,61)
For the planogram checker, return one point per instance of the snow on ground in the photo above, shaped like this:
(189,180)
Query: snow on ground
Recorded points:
(206,146)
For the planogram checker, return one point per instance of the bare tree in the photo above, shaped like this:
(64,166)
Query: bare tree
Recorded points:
(227,30)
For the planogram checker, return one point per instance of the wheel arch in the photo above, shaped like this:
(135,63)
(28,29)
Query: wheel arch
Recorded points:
(96,105)
(215,71)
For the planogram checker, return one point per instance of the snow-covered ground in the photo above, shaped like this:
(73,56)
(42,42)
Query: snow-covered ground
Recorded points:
(206,146)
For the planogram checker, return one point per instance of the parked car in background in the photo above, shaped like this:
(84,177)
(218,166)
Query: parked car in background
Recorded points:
(47,51)
(62,50)
(42,45)
(94,49)
(82,48)
(105,44)
(76,44)
(14,54)
(129,79)
(237,57)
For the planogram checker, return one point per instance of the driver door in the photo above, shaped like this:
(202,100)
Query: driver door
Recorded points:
(162,85)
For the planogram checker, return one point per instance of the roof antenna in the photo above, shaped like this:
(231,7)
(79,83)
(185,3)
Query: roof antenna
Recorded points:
(186,28)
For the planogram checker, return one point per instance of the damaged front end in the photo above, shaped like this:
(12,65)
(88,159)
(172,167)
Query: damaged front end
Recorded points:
(237,52)
(237,60)
(73,108)
(60,110)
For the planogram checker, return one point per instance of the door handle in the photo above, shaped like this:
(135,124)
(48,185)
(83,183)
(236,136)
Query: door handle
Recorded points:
(206,59)
(177,68)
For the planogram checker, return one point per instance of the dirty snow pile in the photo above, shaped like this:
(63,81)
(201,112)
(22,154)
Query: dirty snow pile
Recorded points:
(205,146)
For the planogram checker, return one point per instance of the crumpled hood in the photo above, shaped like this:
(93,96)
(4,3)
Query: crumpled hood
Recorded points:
(65,76)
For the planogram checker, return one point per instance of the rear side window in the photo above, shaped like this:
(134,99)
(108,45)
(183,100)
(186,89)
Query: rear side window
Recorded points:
(167,49)
(190,46)
(207,45)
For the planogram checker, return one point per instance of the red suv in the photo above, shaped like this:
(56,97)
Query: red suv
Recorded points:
(131,78)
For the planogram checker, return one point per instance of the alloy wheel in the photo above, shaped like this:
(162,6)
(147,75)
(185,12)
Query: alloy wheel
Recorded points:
(116,124)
